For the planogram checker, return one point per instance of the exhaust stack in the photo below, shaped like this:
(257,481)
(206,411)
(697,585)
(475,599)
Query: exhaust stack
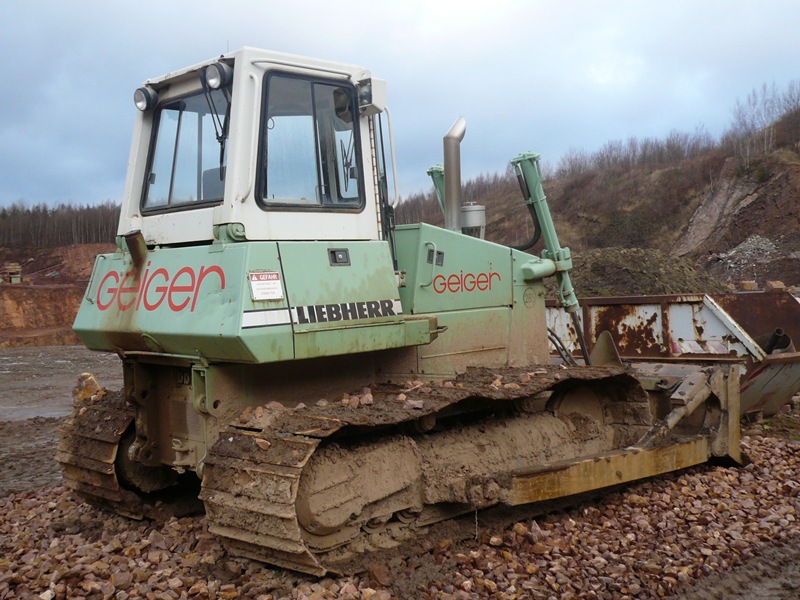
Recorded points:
(452,174)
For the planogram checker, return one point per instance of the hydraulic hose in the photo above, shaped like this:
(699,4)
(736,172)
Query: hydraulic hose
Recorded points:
(562,350)
(537,231)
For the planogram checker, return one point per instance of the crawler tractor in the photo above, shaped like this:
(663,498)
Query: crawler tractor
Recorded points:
(326,381)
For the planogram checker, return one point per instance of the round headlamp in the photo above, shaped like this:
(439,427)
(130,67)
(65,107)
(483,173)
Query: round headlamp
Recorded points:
(218,75)
(145,98)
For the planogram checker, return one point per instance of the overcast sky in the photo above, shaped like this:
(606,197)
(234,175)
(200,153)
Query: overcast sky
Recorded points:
(527,75)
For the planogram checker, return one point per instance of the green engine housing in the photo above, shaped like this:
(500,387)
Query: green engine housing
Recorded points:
(269,302)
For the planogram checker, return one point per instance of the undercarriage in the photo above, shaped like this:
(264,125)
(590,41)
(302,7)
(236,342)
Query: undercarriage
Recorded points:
(312,488)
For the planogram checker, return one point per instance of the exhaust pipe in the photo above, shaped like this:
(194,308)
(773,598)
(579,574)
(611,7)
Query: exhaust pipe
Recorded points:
(452,174)
(777,342)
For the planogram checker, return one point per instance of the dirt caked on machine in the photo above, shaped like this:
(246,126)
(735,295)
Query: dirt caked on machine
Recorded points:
(327,382)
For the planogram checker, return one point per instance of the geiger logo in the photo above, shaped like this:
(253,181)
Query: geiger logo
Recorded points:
(464,282)
(180,291)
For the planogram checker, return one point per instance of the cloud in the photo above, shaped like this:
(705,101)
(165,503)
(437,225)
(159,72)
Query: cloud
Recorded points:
(536,76)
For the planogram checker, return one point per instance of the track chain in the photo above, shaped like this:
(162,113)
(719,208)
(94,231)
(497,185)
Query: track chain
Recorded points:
(252,473)
(87,451)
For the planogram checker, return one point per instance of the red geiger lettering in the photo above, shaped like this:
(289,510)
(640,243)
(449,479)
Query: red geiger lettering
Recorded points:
(126,290)
(465,282)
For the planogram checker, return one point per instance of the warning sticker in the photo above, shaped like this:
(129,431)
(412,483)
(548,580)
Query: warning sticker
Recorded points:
(265,285)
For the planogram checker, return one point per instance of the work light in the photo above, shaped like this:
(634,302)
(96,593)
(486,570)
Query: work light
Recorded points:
(218,75)
(145,98)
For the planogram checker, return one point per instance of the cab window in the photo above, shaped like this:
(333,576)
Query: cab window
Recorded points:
(309,145)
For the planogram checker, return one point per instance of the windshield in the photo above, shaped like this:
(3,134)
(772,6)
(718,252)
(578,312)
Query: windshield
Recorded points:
(188,157)
(310,150)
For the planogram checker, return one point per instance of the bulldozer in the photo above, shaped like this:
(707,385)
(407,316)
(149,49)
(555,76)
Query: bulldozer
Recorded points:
(327,382)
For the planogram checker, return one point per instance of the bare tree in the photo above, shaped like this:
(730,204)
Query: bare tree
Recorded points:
(575,162)
(40,225)
(744,128)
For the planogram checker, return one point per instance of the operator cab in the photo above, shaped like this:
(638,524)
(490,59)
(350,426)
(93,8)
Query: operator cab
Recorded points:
(254,146)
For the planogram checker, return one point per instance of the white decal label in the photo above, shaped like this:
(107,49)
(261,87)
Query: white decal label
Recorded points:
(266,318)
(265,285)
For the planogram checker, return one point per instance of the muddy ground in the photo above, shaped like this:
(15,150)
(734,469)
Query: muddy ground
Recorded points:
(35,395)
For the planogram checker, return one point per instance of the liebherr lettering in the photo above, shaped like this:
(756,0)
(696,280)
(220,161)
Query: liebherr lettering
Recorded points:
(178,292)
(345,311)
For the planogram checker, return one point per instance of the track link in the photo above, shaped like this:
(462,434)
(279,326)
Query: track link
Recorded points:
(255,515)
(252,474)
(87,451)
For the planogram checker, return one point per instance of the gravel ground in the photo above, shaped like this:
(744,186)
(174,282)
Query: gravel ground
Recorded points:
(703,533)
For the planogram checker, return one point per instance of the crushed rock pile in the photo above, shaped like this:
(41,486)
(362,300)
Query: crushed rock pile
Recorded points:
(745,260)
(753,249)
(758,259)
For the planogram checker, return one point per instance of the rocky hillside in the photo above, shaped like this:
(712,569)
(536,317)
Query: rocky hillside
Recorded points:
(750,229)
(732,223)
(729,222)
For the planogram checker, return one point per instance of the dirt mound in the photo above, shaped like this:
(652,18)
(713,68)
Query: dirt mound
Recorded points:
(636,272)
(63,264)
(77,260)
(38,315)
